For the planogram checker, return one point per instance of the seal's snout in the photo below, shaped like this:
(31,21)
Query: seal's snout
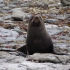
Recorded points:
(35,21)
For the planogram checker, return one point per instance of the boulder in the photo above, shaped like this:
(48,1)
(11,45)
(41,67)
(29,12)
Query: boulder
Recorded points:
(48,57)
(51,20)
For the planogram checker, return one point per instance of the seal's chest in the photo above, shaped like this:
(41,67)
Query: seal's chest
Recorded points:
(37,41)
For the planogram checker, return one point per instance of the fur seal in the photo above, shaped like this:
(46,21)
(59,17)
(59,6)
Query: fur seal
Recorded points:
(38,39)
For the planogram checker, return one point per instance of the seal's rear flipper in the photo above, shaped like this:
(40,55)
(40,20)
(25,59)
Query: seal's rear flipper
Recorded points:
(23,49)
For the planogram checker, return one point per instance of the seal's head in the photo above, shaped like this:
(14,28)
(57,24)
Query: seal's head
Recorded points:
(35,20)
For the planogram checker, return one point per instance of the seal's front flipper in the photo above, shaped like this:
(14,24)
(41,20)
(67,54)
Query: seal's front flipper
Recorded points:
(20,54)
(23,49)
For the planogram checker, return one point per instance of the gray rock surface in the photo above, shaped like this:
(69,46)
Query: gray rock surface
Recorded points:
(1,1)
(54,10)
(1,19)
(13,62)
(50,58)
(51,20)
(18,14)
(61,17)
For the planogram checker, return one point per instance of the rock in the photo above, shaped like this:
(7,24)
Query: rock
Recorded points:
(65,2)
(3,56)
(12,66)
(53,29)
(17,16)
(16,9)
(47,57)
(53,15)
(12,6)
(7,35)
(8,21)
(1,19)
(51,20)
(43,57)
(25,5)
(51,1)
(15,2)
(1,5)
(45,66)
(18,59)
(44,1)
(28,15)
(60,48)
(37,4)
(7,55)
(53,10)
(1,1)
(6,8)
(7,17)
(17,29)
(61,17)
(54,5)
(7,58)
(37,66)
(13,62)
(68,17)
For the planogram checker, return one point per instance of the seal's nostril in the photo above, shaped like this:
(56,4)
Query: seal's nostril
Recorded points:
(36,17)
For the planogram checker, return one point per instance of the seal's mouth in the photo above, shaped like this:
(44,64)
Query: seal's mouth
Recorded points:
(36,21)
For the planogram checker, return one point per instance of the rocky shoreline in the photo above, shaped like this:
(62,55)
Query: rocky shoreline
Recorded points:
(13,34)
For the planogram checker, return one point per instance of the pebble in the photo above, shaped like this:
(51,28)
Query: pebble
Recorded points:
(17,16)
(1,19)
(1,1)
(2,5)
(16,9)
(52,20)
(68,16)
(7,17)
(6,8)
(15,2)
(12,6)
(61,17)
(8,21)
(24,5)
(53,10)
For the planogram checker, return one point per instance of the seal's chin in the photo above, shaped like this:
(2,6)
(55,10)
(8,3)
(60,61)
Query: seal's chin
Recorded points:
(36,21)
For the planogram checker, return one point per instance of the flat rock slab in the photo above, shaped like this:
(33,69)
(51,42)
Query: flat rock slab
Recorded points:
(53,58)
(13,62)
